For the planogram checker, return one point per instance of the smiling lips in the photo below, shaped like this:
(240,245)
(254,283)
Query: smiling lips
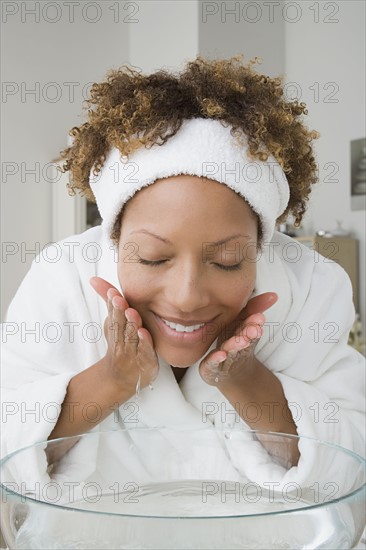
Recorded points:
(187,333)
(182,328)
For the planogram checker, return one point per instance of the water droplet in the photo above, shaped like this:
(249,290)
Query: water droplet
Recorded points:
(151,386)
(216,379)
(227,435)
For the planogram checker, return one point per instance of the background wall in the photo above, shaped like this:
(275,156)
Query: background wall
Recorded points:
(230,28)
(318,46)
(56,60)
(166,35)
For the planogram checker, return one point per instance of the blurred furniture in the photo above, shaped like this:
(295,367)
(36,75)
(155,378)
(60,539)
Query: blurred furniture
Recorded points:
(343,250)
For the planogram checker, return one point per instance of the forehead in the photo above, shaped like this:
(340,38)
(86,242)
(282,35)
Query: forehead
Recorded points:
(188,196)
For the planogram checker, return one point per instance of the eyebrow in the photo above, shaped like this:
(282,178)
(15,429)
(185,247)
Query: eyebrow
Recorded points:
(221,241)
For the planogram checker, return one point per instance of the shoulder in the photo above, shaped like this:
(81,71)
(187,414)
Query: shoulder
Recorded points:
(55,279)
(70,251)
(61,263)
(76,246)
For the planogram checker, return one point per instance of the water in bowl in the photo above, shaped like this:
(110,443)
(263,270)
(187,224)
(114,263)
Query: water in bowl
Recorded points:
(127,522)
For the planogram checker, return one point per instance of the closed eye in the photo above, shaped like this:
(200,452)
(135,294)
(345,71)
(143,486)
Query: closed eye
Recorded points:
(155,263)
(229,267)
(152,262)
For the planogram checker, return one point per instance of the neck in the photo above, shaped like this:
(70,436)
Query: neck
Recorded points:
(179,372)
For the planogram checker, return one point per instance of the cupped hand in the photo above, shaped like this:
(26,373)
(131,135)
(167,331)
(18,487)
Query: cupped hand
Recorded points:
(131,358)
(234,354)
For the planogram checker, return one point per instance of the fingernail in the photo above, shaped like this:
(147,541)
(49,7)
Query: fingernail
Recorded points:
(216,362)
(115,303)
(128,316)
(253,332)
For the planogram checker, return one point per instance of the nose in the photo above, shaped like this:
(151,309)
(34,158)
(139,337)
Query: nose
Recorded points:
(187,289)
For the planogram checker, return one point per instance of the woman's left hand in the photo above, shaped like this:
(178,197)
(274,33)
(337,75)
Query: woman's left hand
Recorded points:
(234,357)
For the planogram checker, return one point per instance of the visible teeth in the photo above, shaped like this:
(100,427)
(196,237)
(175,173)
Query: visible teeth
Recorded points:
(182,328)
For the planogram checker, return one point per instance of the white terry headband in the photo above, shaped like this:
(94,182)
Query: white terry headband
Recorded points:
(201,147)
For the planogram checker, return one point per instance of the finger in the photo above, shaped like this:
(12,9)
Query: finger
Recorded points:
(254,319)
(131,338)
(248,333)
(236,327)
(252,327)
(145,337)
(101,286)
(236,343)
(253,332)
(133,315)
(120,301)
(117,319)
(111,293)
(210,368)
(260,303)
(212,364)
(147,354)
(214,358)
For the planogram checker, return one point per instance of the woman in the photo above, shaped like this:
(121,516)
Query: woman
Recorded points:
(190,173)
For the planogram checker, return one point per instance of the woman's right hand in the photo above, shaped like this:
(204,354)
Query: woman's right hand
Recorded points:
(130,355)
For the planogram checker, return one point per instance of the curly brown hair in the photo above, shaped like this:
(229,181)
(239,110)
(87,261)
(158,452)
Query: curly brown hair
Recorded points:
(130,110)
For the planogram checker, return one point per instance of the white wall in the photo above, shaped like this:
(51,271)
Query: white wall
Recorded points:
(332,52)
(166,36)
(230,28)
(34,128)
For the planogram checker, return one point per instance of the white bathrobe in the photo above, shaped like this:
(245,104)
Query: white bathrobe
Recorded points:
(304,345)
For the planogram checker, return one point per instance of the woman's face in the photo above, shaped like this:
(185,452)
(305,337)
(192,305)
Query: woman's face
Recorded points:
(177,224)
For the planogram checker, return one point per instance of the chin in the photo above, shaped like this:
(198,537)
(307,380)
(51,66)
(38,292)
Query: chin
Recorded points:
(181,358)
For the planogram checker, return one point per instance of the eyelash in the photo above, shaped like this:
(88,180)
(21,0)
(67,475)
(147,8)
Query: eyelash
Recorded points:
(220,266)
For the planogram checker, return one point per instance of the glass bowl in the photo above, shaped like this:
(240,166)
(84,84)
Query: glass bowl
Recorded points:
(162,488)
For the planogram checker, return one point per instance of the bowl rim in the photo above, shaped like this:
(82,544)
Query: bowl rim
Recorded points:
(24,499)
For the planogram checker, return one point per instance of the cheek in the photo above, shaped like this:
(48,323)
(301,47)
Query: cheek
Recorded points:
(136,286)
(239,292)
